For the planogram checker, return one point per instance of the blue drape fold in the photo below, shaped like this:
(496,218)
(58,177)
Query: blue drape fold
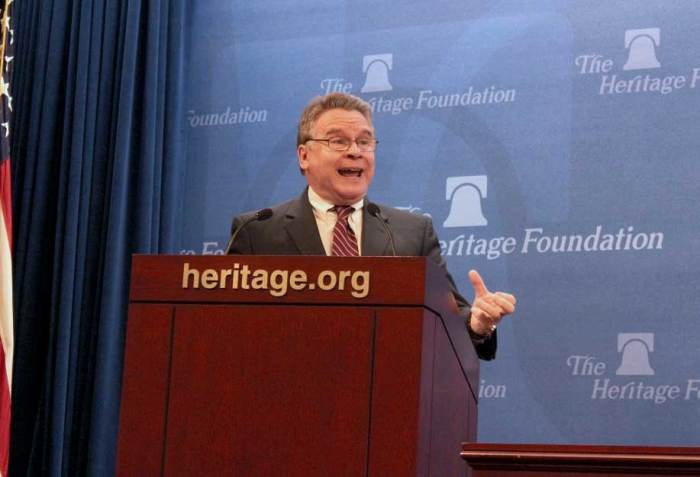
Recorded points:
(99,162)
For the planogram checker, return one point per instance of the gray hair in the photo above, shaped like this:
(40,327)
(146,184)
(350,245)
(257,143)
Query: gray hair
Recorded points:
(321,104)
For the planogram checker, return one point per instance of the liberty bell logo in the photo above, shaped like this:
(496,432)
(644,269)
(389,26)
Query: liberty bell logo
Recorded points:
(376,68)
(465,194)
(635,349)
(642,48)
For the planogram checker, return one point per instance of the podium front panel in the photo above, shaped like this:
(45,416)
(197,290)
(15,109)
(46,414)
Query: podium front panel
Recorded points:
(283,391)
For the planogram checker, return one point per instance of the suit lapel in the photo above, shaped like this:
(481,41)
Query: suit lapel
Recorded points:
(374,239)
(301,227)
(303,231)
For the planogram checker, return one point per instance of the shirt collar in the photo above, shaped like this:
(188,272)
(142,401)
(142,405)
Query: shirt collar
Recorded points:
(322,205)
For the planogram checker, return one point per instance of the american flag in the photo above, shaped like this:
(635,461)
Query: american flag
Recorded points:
(6,318)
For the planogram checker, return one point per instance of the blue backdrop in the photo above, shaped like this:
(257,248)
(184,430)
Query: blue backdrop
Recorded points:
(554,144)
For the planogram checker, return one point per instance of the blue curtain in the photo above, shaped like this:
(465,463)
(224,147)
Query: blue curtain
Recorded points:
(98,161)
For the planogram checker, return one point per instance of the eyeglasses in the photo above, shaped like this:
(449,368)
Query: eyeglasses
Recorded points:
(342,144)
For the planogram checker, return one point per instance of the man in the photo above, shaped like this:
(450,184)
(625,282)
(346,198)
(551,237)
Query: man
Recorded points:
(335,148)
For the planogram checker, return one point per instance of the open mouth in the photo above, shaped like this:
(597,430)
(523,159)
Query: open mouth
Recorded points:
(350,172)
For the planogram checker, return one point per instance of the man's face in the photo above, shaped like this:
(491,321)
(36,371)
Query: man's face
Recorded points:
(341,178)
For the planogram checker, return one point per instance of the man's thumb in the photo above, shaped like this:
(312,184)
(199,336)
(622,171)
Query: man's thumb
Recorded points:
(478,283)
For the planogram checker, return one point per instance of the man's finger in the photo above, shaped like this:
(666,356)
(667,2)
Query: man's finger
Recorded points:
(478,283)
(490,310)
(507,296)
(500,306)
(506,305)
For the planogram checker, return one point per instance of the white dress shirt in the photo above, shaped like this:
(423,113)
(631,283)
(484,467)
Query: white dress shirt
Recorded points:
(326,219)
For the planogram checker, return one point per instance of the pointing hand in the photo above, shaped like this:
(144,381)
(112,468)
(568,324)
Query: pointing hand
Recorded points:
(488,308)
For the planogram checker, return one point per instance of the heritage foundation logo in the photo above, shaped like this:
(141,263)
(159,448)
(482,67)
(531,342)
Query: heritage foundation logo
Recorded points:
(635,349)
(641,72)
(376,69)
(465,194)
(642,49)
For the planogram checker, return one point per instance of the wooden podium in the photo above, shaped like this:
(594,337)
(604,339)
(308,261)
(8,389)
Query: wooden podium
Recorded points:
(294,366)
(560,460)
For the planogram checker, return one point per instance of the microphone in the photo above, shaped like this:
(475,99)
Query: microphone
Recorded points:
(374,211)
(262,214)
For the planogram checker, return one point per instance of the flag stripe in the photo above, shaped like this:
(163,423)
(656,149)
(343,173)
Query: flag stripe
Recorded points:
(6,197)
(6,334)
(6,309)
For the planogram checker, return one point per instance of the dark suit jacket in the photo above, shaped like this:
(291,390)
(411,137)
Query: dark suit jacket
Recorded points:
(292,230)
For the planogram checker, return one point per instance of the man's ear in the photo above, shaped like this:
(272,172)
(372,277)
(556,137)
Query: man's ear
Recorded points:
(302,157)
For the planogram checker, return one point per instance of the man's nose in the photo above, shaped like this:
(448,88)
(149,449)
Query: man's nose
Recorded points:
(354,150)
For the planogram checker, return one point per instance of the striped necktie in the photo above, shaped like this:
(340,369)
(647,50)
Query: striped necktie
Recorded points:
(344,240)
